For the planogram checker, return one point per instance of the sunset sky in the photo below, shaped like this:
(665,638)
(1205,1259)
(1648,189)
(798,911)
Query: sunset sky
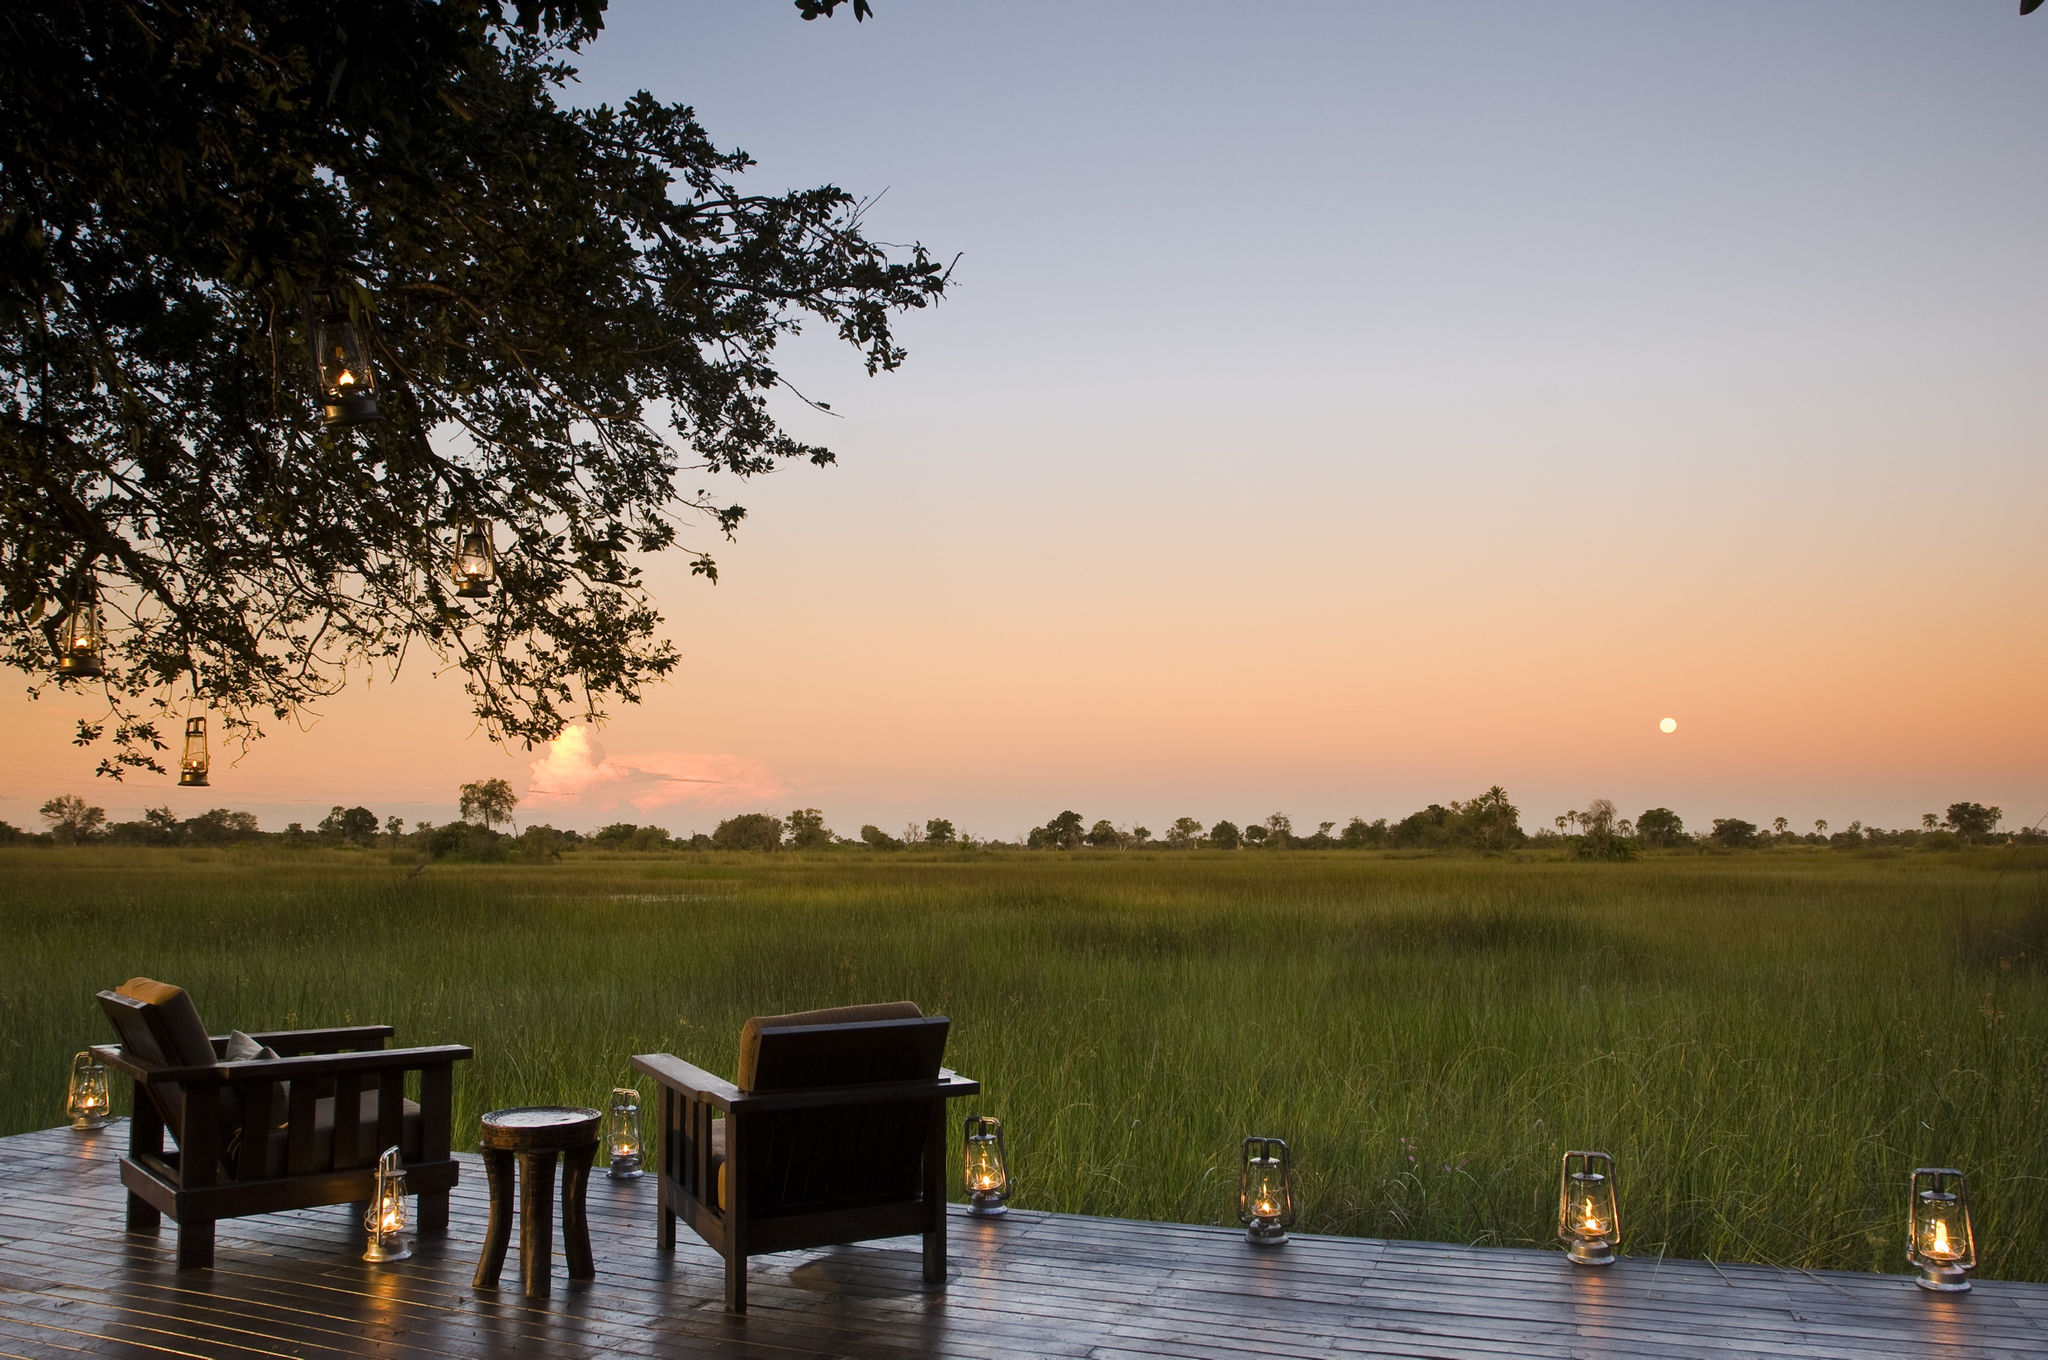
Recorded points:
(1343,407)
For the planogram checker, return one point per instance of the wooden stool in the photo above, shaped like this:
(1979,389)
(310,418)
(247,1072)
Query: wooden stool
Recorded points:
(534,1134)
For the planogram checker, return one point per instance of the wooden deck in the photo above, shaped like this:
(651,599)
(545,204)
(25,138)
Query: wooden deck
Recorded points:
(73,1284)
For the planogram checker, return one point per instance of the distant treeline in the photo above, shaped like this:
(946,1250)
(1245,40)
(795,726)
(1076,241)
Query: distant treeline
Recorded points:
(1490,823)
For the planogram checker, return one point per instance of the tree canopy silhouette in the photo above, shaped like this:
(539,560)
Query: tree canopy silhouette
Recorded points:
(566,312)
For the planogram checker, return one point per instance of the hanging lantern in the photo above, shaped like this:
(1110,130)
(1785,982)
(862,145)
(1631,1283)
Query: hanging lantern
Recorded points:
(1265,1191)
(475,565)
(1939,1239)
(192,769)
(985,1168)
(347,387)
(385,1219)
(622,1134)
(1586,1218)
(80,639)
(86,1102)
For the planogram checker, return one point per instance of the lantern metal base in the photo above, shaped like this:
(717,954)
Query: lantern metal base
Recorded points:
(982,1205)
(83,1122)
(1264,1234)
(354,409)
(1944,1279)
(400,1248)
(475,590)
(79,667)
(1596,1252)
(625,1168)
(192,779)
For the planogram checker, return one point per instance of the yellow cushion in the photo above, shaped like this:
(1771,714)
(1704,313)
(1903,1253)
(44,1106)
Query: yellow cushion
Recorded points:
(148,991)
(718,1157)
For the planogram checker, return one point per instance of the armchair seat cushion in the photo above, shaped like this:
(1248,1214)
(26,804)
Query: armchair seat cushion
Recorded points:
(367,1148)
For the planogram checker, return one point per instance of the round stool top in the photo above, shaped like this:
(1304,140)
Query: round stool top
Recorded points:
(536,1128)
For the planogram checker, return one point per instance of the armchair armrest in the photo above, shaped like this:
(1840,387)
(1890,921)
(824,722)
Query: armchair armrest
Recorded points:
(688,1078)
(333,1064)
(286,1069)
(291,1043)
(116,1057)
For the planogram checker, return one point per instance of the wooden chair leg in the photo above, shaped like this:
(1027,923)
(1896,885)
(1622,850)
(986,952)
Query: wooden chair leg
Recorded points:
(498,1235)
(735,1283)
(935,1255)
(575,1220)
(536,1222)
(665,1218)
(195,1245)
(143,1217)
(433,1212)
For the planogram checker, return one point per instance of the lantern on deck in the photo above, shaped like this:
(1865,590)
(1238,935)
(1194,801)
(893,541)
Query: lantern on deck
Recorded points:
(1265,1191)
(348,390)
(475,564)
(1939,1239)
(385,1220)
(192,769)
(81,637)
(1586,1218)
(984,1167)
(86,1100)
(622,1134)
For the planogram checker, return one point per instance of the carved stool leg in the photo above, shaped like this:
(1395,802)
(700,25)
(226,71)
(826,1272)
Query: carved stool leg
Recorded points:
(575,1221)
(498,1171)
(536,1222)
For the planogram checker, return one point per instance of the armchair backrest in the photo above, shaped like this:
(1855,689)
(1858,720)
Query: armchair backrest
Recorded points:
(838,1155)
(840,1046)
(159,1025)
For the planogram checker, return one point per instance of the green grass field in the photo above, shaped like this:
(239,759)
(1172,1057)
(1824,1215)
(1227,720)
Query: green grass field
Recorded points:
(1767,1042)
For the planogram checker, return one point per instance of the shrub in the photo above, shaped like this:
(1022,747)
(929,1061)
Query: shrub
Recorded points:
(748,831)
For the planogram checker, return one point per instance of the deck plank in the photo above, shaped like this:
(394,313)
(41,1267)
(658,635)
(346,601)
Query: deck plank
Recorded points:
(73,1285)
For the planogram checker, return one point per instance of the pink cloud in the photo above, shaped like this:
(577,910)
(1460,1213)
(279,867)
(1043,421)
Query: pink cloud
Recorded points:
(575,770)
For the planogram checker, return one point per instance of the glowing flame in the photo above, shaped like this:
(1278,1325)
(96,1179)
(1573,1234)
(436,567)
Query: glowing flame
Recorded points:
(1941,1246)
(1592,1224)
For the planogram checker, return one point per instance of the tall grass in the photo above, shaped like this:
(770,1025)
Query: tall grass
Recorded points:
(1766,1043)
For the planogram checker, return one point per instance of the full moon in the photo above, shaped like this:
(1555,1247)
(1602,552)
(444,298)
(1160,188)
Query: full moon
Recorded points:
(1668,725)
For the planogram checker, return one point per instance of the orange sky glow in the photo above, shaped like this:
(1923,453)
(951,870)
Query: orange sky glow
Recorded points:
(1600,365)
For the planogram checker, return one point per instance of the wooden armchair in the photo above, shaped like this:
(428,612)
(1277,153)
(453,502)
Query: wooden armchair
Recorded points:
(834,1132)
(304,1128)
